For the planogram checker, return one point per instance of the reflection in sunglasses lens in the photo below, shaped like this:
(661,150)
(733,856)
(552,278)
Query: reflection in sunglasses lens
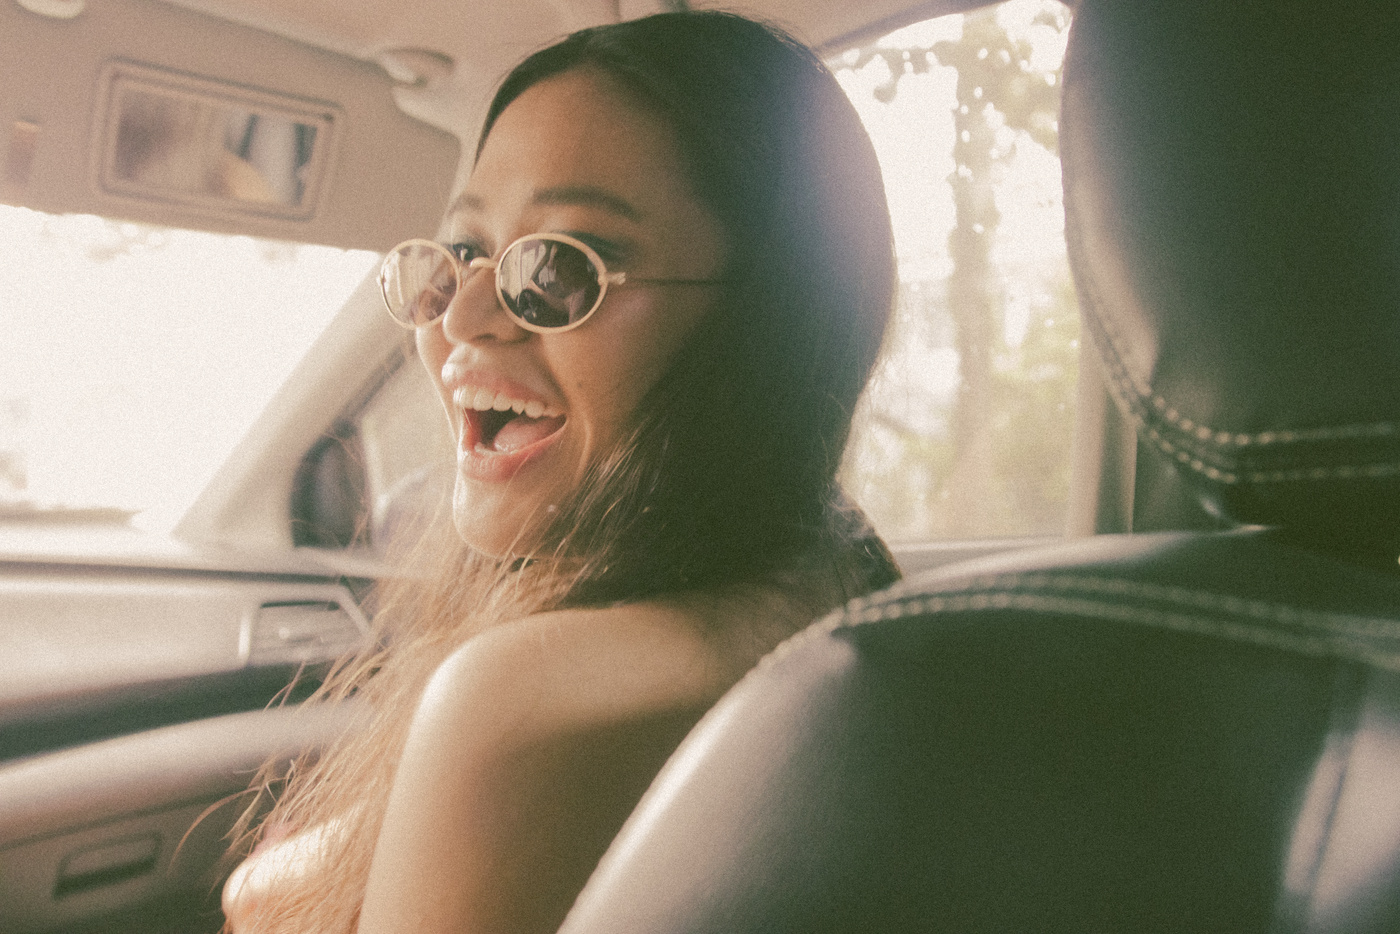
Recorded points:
(535,308)
(429,304)
(418,283)
(548,284)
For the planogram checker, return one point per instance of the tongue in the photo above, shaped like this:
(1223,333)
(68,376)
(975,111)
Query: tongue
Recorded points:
(523,431)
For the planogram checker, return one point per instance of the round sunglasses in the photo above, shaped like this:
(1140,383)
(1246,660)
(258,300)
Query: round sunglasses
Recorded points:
(546,282)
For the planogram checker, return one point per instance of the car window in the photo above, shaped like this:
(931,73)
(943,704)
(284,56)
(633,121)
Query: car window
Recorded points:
(965,431)
(136,357)
(407,451)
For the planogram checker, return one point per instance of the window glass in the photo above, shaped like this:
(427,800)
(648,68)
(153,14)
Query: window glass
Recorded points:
(965,431)
(134,358)
(409,453)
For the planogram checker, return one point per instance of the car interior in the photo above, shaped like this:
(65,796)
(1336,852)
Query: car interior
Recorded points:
(1168,703)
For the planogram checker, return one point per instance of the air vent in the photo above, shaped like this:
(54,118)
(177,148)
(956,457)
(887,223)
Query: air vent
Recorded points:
(296,632)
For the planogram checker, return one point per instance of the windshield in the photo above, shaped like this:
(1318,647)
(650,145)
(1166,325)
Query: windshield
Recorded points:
(136,357)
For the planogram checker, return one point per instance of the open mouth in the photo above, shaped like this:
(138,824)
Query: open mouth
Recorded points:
(498,424)
(508,432)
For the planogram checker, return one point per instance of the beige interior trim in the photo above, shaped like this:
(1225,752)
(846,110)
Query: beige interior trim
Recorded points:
(388,177)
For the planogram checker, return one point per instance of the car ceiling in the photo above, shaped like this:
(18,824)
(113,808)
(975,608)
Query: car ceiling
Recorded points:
(482,40)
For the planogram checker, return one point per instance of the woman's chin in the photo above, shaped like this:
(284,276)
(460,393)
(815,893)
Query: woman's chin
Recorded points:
(494,528)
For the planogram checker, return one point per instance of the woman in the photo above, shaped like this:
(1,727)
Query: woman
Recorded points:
(655,304)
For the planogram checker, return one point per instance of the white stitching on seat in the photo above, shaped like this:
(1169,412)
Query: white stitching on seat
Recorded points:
(1133,397)
(1315,644)
(1306,631)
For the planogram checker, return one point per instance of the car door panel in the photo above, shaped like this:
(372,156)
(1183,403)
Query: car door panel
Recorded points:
(136,706)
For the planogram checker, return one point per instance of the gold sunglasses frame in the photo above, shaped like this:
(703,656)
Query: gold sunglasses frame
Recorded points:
(460,270)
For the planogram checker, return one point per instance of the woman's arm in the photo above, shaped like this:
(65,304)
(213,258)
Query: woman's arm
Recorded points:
(531,745)
(279,859)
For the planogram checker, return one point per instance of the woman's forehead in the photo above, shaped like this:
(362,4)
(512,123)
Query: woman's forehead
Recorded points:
(578,139)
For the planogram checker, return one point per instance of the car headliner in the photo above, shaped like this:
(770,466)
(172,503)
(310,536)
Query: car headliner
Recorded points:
(483,40)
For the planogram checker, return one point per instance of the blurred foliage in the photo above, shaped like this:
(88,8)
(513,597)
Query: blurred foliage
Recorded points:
(994,460)
(114,238)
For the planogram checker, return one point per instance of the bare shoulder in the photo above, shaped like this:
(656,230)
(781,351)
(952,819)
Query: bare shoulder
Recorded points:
(565,668)
(531,744)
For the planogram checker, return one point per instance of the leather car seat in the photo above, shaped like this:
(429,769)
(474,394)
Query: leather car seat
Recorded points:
(1175,731)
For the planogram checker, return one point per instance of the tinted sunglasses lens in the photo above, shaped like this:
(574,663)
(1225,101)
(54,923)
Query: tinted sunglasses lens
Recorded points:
(548,284)
(418,280)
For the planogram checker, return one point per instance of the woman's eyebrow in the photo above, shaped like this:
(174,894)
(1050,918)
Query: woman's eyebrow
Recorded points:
(590,196)
(465,202)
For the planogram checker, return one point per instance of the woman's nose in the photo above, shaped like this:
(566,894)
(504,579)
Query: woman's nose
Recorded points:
(475,313)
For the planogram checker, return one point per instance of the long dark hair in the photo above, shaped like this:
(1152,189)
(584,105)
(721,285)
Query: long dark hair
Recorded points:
(727,486)
(731,472)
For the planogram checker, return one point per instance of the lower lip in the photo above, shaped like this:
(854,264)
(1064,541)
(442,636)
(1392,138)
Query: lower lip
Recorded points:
(477,463)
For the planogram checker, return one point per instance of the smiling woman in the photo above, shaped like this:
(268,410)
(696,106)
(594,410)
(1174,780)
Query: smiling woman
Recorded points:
(648,319)
(636,205)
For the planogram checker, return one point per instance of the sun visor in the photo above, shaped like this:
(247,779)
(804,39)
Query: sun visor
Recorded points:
(144,111)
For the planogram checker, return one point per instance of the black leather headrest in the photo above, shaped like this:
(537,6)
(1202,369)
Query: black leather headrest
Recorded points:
(1232,195)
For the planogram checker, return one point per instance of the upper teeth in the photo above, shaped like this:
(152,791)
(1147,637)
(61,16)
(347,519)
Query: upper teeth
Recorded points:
(484,400)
